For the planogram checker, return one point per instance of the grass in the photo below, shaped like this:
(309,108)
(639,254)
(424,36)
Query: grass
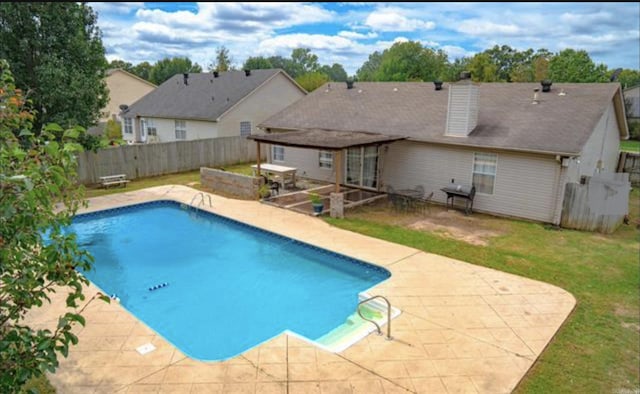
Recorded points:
(191,178)
(597,350)
(38,385)
(630,146)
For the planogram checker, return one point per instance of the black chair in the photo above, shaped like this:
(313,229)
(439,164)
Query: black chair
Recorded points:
(274,187)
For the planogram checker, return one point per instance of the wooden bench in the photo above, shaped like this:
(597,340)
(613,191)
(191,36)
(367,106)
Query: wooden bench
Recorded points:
(111,180)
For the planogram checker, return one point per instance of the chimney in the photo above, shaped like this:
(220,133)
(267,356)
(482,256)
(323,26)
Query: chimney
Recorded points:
(438,85)
(216,74)
(546,85)
(247,72)
(349,84)
(186,78)
(462,110)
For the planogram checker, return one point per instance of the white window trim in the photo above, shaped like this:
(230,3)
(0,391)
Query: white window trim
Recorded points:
(130,124)
(150,124)
(250,128)
(273,154)
(176,129)
(495,176)
(320,162)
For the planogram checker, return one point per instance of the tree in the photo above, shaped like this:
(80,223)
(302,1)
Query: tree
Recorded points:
(223,61)
(336,72)
(482,68)
(313,80)
(410,61)
(121,64)
(113,130)
(257,63)
(570,65)
(303,61)
(628,78)
(370,67)
(143,70)
(168,67)
(57,56)
(38,198)
(282,63)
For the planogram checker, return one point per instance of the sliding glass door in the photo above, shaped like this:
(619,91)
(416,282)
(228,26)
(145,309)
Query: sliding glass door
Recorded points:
(362,167)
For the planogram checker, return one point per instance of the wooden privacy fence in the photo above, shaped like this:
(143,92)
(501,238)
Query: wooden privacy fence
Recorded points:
(164,158)
(630,163)
(600,204)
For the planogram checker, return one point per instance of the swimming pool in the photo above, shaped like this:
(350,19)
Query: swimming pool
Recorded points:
(215,287)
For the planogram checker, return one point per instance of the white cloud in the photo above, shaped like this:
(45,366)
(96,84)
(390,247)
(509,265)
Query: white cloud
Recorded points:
(115,8)
(456,52)
(485,28)
(387,20)
(357,36)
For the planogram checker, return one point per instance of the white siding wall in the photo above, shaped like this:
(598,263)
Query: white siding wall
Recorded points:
(307,163)
(196,129)
(462,116)
(525,185)
(604,144)
(271,98)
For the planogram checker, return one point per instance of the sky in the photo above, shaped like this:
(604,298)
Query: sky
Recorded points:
(347,33)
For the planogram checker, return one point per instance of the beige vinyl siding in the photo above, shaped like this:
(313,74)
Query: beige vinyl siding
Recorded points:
(123,89)
(196,129)
(525,184)
(462,114)
(272,97)
(308,164)
(604,144)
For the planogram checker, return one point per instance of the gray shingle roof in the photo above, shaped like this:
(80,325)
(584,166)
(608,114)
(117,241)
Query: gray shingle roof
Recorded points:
(204,98)
(507,118)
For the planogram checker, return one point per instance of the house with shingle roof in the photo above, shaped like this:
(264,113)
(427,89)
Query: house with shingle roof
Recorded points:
(209,105)
(519,144)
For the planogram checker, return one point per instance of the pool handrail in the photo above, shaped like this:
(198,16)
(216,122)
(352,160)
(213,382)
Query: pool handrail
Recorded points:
(389,337)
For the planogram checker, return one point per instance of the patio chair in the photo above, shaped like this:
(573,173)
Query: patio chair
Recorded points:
(274,187)
(424,202)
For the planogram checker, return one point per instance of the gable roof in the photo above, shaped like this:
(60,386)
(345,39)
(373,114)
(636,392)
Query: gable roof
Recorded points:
(203,98)
(112,71)
(507,119)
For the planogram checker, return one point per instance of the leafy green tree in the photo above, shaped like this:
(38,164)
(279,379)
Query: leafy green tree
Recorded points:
(453,71)
(570,65)
(143,70)
(303,61)
(335,72)
(121,64)
(313,80)
(282,63)
(410,61)
(370,67)
(113,130)
(482,68)
(223,60)
(57,56)
(627,78)
(38,198)
(257,63)
(168,67)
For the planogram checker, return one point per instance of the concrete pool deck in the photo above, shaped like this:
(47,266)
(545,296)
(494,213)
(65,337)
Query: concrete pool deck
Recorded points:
(463,328)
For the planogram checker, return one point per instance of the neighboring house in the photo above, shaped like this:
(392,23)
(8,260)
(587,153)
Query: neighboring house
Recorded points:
(518,147)
(632,99)
(124,89)
(209,105)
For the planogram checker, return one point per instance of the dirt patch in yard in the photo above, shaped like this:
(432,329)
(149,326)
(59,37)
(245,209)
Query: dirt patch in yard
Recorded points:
(456,225)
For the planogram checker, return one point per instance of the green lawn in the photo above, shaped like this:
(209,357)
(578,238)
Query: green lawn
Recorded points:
(630,146)
(191,178)
(597,350)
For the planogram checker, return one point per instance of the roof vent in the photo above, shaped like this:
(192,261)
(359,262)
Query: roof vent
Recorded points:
(247,72)
(438,85)
(216,74)
(535,96)
(349,84)
(546,85)
(185,77)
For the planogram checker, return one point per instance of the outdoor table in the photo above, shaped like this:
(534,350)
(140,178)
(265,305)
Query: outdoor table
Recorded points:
(287,174)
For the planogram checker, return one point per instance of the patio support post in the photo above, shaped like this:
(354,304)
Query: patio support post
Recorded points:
(338,166)
(258,159)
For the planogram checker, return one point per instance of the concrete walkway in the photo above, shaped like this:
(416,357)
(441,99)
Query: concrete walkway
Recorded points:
(464,328)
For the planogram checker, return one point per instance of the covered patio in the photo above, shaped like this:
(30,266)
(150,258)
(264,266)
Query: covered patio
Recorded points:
(338,195)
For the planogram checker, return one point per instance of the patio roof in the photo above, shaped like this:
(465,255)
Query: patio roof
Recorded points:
(324,139)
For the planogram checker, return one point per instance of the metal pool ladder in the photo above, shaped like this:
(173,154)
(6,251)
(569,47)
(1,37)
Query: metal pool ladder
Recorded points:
(201,194)
(389,337)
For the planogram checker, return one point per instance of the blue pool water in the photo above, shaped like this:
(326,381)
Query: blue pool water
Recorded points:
(230,286)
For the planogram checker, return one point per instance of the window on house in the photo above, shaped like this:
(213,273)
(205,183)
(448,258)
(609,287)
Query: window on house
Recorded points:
(245,129)
(277,153)
(151,127)
(128,126)
(181,129)
(484,171)
(325,159)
